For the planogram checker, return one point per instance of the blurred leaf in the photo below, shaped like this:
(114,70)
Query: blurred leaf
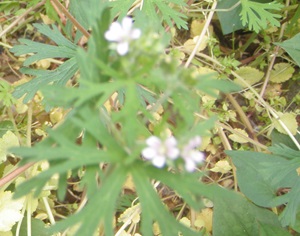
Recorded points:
(38,227)
(5,126)
(64,49)
(236,137)
(166,12)
(292,47)
(227,219)
(8,140)
(154,210)
(280,138)
(249,74)
(289,119)
(281,72)
(230,20)
(263,173)
(59,76)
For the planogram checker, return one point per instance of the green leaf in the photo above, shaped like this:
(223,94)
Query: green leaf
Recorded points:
(257,15)
(59,76)
(105,199)
(281,149)
(153,209)
(289,214)
(230,20)
(149,7)
(37,227)
(261,175)
(64,48)
(235,215)
(292,47)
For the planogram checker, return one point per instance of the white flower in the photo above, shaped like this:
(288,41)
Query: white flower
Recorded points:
(122,34)
(159,151)
(190,155)
(9,211)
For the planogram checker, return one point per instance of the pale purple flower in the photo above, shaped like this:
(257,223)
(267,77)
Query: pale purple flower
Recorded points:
(159,151)
(122,34)
(191,155)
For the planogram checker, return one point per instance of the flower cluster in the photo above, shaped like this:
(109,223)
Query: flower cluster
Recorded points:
(159,152)
(122,34)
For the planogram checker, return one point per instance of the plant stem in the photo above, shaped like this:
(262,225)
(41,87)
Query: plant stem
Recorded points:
(274,56)
(71,18)
(201,36)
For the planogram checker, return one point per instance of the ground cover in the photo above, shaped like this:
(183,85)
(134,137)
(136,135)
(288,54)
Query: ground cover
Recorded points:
(149,117)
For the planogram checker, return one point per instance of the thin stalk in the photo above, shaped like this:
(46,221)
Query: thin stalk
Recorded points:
(274,55)
(201,36)
(71,18)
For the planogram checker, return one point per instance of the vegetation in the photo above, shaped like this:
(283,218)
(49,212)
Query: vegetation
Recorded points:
(150,117)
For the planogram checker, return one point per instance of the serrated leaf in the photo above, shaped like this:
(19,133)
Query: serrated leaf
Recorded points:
(281,72)
(250,74)
(149,7)
(257,15)
(289,119)
(64,48)
(292,47)
(59,76)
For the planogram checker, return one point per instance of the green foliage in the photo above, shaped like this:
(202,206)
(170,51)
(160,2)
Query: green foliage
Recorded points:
(149,7)
(230,20)
(261,175)
(256,15)
(102,73)
(6,97)
(64,49)
(292,47)
(111,140)
(248,218)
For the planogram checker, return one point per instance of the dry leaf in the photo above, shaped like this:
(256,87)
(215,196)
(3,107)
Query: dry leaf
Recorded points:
(222,166)
(250,75)
(204,219)
(281,73)
(238,136)
(8,140)
(290,121)
(197,27)
(191,43)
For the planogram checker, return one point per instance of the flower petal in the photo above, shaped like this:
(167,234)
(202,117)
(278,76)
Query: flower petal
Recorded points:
(190,165)
(197,156)
(135,33)
(159,161)
(171,142)
(127,24)
(114,33)
(153,141)
(149,153)
(122,48)
(173,153)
